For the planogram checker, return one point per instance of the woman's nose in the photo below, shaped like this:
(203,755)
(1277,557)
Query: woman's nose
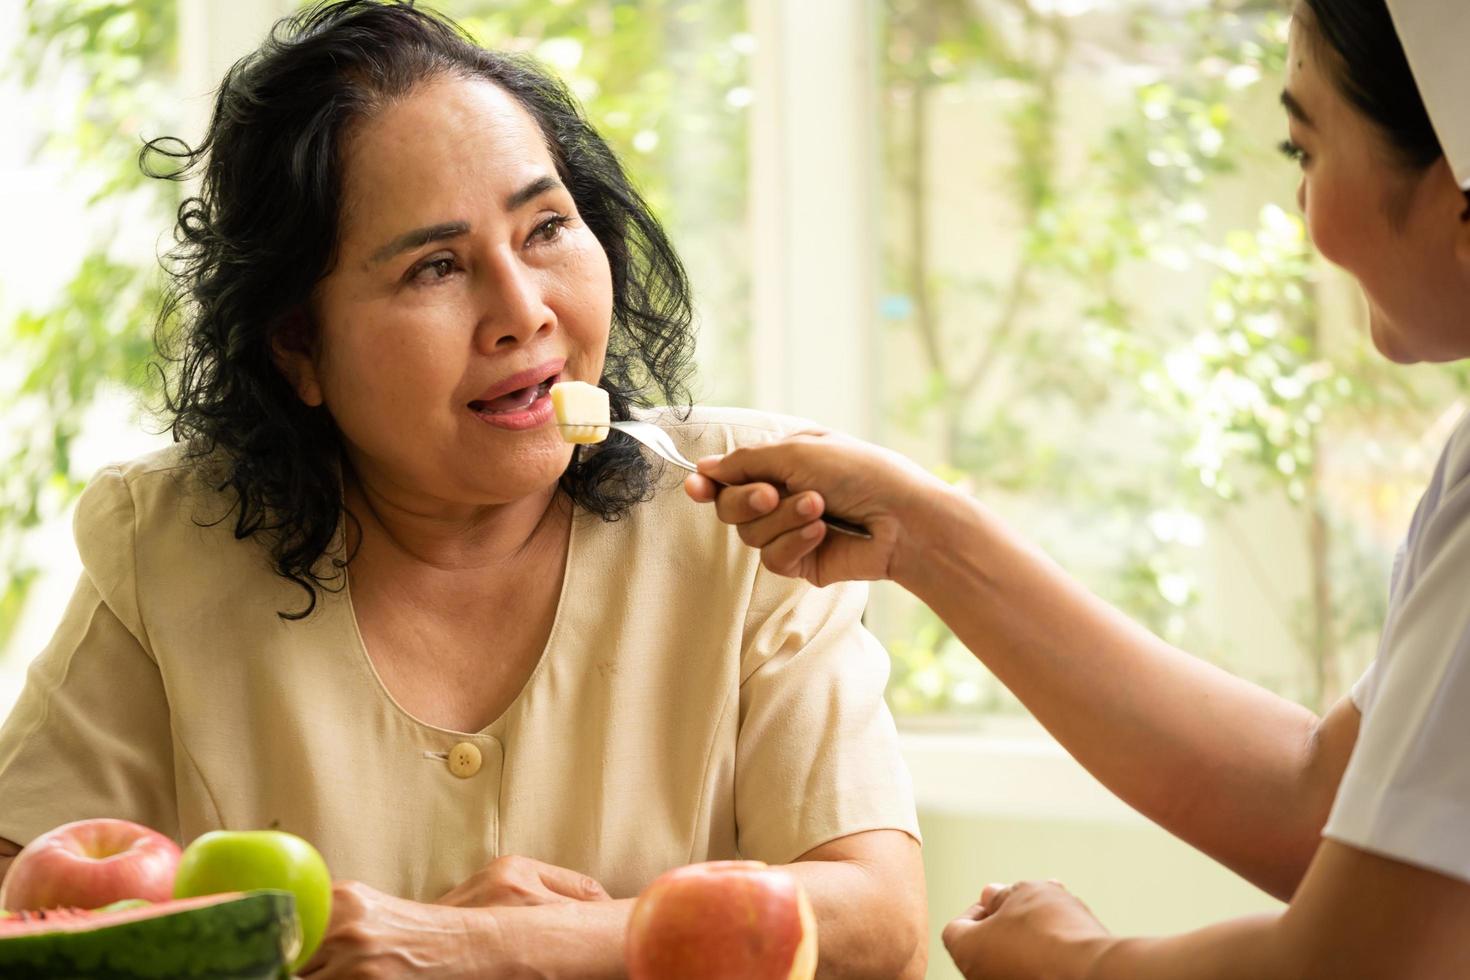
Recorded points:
(512,307)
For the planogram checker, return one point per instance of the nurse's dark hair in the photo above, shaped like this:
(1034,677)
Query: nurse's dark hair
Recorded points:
(1367,63)
(262,232)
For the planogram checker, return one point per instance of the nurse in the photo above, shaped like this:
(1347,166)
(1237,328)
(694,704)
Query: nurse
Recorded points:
(1359,819)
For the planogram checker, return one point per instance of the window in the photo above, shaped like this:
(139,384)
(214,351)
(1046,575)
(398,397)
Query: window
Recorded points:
(78,330)
(1100,315)
(1045,247)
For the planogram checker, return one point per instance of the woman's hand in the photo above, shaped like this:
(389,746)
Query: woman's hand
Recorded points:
(820,472)
(516,880)
(373,935)
(1028,930)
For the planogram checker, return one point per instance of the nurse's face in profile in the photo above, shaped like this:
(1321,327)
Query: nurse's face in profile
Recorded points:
(1399,231)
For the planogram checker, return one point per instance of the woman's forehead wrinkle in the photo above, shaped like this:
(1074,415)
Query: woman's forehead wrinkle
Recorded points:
(484,137)
(432,154)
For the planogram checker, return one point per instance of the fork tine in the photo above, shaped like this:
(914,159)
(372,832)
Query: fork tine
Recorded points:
(656,439)
(663,446)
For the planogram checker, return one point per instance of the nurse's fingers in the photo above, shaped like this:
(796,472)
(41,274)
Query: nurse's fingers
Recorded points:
(785,554)
(956,930)
(733,505)
(976,912)
(701,489)
(792,513)
(756,510)
(768,463)
(743,504)
(993,897)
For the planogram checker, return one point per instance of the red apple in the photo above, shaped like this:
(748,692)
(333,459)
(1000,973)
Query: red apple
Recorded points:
(723,920)
(91,863)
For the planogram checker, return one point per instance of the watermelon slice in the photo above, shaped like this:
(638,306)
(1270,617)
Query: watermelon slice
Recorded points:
(239,936)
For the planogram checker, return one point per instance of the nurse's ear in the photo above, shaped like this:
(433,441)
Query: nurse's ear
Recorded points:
(1451,198)
(1462,240)
(293,349)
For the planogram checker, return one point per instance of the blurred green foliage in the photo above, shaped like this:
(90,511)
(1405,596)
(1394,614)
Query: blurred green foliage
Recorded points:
(677,119)
(1031,372)
(1026,359)
(97,335)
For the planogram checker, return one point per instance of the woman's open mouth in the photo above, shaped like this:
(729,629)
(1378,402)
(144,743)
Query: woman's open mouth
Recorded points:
(523,408)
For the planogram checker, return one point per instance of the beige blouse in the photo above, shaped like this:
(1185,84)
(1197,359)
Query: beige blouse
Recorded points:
(688,706)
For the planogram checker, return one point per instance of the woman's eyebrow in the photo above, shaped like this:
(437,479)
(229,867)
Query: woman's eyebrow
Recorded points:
(453,229)
(532,191)
(421,236)
(1295,109)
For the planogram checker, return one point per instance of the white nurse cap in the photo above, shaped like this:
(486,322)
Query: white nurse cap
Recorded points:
(1435,35)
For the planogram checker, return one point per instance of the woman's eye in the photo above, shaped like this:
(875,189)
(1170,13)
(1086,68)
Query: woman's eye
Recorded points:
(1293,152)
(550,229)
(433,270)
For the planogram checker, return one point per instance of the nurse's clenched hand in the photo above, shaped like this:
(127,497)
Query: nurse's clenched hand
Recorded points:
(516,880)
(372,935)
(823,472)
(1026,931)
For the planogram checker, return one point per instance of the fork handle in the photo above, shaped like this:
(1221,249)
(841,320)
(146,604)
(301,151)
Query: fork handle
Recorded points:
(850,528)
(669,454)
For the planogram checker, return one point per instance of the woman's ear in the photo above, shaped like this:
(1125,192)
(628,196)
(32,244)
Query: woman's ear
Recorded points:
(294,354)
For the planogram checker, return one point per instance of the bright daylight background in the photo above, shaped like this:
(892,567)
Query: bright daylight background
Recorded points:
(1044,246)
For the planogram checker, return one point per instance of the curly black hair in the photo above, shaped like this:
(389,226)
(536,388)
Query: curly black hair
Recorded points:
(263,231)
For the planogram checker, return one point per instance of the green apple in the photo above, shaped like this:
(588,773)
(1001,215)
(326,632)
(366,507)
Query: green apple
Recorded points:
(244,860)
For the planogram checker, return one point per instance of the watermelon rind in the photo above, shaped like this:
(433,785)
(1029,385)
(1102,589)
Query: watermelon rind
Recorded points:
(123,904)
(244,937)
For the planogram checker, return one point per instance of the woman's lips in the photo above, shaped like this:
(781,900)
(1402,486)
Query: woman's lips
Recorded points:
(529,378)
(525,408)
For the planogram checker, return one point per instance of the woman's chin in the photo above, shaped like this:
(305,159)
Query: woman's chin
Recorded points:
(1388,340)
(529,468)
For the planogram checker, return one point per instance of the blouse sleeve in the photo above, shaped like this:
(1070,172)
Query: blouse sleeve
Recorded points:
(1406,791)
(817,756)
(90,734)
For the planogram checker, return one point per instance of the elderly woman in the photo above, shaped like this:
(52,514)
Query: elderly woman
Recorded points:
(372,598)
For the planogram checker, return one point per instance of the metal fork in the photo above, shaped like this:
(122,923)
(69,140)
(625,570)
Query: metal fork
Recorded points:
(656,439)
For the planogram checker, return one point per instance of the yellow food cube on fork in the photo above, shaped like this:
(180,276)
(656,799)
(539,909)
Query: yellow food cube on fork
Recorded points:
(583,413)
